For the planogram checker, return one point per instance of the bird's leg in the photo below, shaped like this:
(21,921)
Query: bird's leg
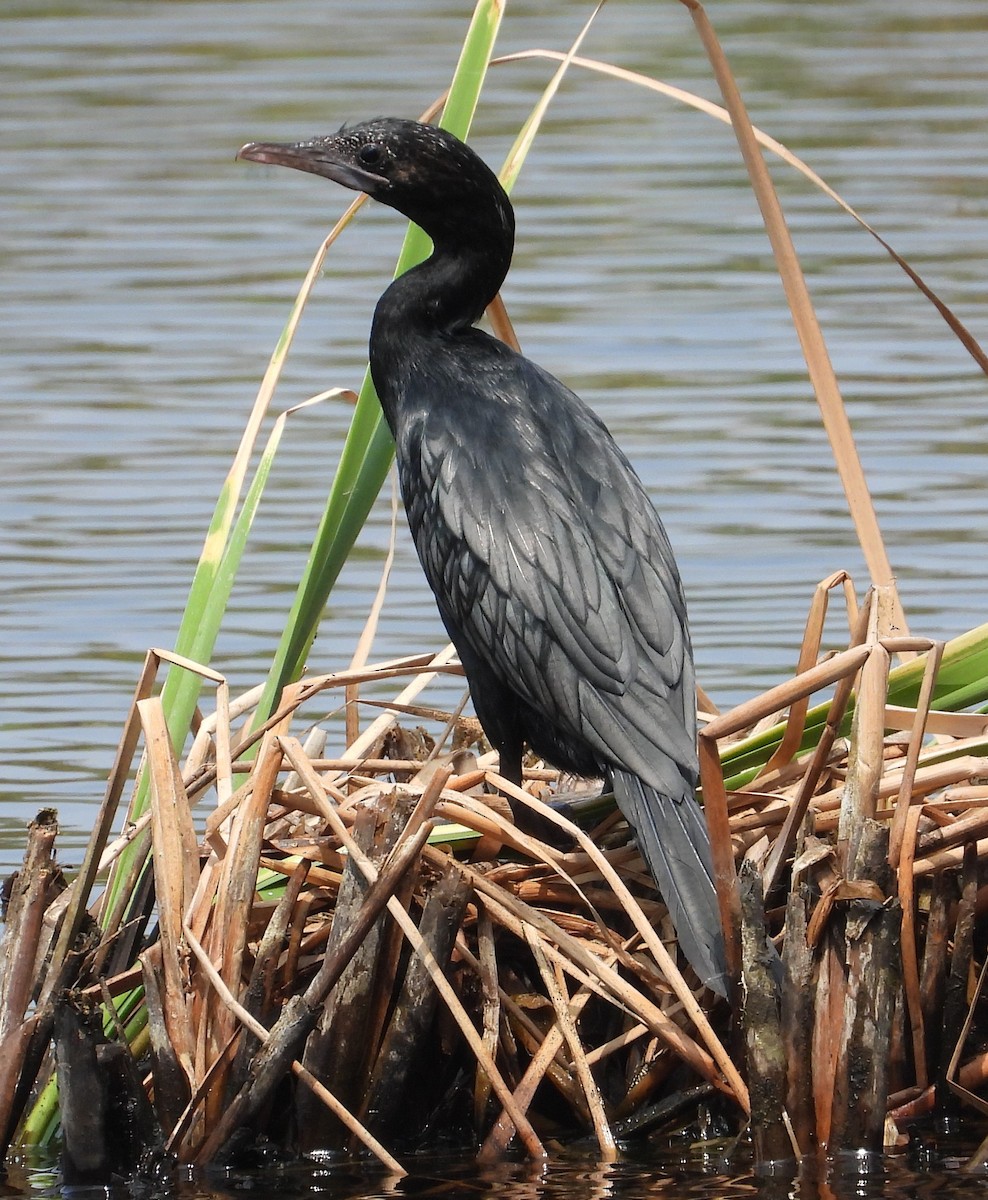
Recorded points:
(527,820)
(510,762)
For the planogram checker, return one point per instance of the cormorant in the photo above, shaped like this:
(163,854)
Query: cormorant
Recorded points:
(552,571)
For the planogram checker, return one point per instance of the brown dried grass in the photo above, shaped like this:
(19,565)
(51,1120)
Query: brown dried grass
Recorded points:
(548,937)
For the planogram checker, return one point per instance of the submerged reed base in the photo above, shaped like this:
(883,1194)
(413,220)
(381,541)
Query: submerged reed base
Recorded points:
(364,955)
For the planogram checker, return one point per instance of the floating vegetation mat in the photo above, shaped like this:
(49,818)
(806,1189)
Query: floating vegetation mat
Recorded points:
(363,954)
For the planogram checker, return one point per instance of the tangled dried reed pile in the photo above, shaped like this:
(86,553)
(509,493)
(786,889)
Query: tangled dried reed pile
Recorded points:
(364,952)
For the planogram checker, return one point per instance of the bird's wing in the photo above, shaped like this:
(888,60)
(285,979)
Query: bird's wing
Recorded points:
(554,567)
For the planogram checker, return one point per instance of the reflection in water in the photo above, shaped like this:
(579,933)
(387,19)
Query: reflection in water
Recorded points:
(567,1176)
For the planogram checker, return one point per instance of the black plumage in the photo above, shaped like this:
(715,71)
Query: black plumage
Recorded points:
(552,571)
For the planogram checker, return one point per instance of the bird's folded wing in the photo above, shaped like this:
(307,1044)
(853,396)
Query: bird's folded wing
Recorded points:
(557,571)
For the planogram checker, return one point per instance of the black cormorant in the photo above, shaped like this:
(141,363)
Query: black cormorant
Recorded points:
(552,571)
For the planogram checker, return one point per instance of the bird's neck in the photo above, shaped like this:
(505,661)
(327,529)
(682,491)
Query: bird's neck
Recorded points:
(424,315)
(420,318)
(453,287)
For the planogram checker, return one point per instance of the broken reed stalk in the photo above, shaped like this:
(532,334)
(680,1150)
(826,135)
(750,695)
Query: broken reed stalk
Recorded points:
(281,1043)
(339,1049)
(764,1047)
(525,1130)
(28,894)
(401,1053)
(845,987)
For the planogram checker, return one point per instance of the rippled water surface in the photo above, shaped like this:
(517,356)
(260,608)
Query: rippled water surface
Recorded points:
(692,1172)
(146,276)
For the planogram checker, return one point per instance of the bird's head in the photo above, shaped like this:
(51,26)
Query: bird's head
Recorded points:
(420,170)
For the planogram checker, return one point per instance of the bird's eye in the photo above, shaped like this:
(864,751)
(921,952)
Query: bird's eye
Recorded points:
(371,154)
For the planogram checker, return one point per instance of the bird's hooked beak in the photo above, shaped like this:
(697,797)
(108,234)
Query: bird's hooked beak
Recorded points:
(318,157)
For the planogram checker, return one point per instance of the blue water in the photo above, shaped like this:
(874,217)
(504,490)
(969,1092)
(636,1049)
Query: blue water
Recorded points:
(147,275)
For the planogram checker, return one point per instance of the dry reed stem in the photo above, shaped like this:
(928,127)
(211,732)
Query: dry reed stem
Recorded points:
(261,1033)
(403,1047)
(645,929)
(366,640)
(339,1049)
(485,967)
(174,856)
(960,1083)
(452,1001)
(950,724)
(961,829)
(809,653)
(808,330)
(116,782)
(783,847)
(501,325)
(24,914)
(744,715)
(22,951)
(555,989)
(867,760)
(916,736)
(964,336)
(263,977)
(927,779)
(762,1027)
(946,860)
(869,937)
(237,879)
(910,957)
(113,850)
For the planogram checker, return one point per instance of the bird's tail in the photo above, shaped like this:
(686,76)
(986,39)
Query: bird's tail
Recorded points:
(672,836)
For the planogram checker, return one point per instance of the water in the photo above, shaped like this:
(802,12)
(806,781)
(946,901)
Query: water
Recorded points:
(687,1172)
(146,277)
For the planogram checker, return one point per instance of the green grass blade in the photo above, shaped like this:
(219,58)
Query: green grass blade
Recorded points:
(369,450)
(181,690)
(526,137)
(962,681)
